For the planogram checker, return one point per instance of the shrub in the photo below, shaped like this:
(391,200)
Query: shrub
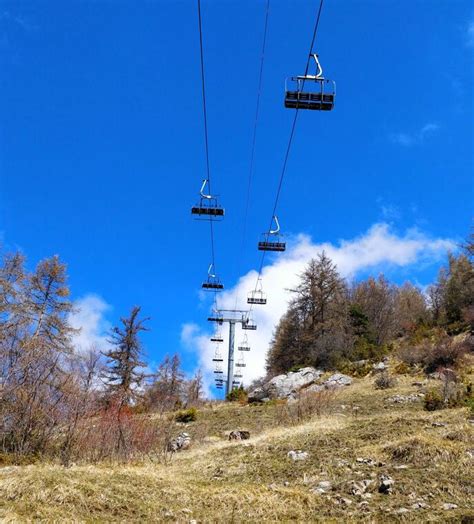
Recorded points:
(186,415)
(238,395)
(470,405)
(307,405)
(433,400)
(385,381)
(402,368)
(359,368)
(446,353)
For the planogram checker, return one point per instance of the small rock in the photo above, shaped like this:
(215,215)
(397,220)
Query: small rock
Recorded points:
(342,501)
(401,511)
(448,506)
(359,487)
(323,487)
(417,384)
(379,366)
(369,462)
(297,455)
(470,453)
(239,435)
(186,510)
(386,484)
(286,483)
(401,466)
(337,380)
(404,399)
(420,505)
(439,424)
(182,441)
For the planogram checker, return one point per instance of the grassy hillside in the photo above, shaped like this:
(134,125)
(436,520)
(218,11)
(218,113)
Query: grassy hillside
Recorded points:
(429,455)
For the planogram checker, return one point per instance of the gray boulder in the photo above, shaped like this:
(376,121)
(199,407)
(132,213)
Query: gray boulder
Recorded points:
(286,385)
(182,441)
(337,380)
(257,395)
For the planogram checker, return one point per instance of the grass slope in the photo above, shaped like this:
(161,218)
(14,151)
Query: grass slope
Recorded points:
(220,481)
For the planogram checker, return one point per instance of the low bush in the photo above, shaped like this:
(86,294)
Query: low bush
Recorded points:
(433,400)
(238,395)
(443,352)
(186,415)
(402,368)
(385,381)
(307,405)
(451,394)
(446,353)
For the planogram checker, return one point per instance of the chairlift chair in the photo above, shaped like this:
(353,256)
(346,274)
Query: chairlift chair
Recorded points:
(208,207)
(217,356)
(244,345)
(216,317)
(238,374)
(271,241)
(241,363)
(257,296)
(212,283)
(300,93)
(249,324)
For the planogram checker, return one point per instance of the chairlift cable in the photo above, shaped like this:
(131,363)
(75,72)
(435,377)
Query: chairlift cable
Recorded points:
(290,142)
(254,136)
(206,133)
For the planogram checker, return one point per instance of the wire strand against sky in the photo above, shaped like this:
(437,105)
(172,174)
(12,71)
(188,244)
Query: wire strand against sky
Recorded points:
(290,142)
(206,134)
(253,142)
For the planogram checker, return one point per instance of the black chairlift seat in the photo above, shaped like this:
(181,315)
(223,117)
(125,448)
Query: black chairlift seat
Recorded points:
(218,372)
(217,339)
(212,285)
(240,365)
(243,348)
(256,297)
(216,317)
(307,100)
(238,374)
(268,245)
(218,360)
(208,210)
(249,326)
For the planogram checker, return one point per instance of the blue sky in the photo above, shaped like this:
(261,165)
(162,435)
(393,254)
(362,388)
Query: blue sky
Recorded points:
(102,152)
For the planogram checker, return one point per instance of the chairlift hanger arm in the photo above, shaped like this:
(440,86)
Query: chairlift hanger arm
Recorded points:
(277,224)
(205,182)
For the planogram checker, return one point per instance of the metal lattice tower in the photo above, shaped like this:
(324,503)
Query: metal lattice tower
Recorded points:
(232,317)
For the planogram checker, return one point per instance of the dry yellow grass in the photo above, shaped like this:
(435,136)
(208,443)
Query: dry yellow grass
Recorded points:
(250,481)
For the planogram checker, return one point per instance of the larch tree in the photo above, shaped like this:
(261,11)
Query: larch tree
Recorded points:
(124,374)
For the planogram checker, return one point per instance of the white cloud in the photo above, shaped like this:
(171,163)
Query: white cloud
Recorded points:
(415,138)
(378,249)
(89,318)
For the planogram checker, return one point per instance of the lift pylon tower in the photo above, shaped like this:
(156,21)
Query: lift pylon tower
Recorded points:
(232,317)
